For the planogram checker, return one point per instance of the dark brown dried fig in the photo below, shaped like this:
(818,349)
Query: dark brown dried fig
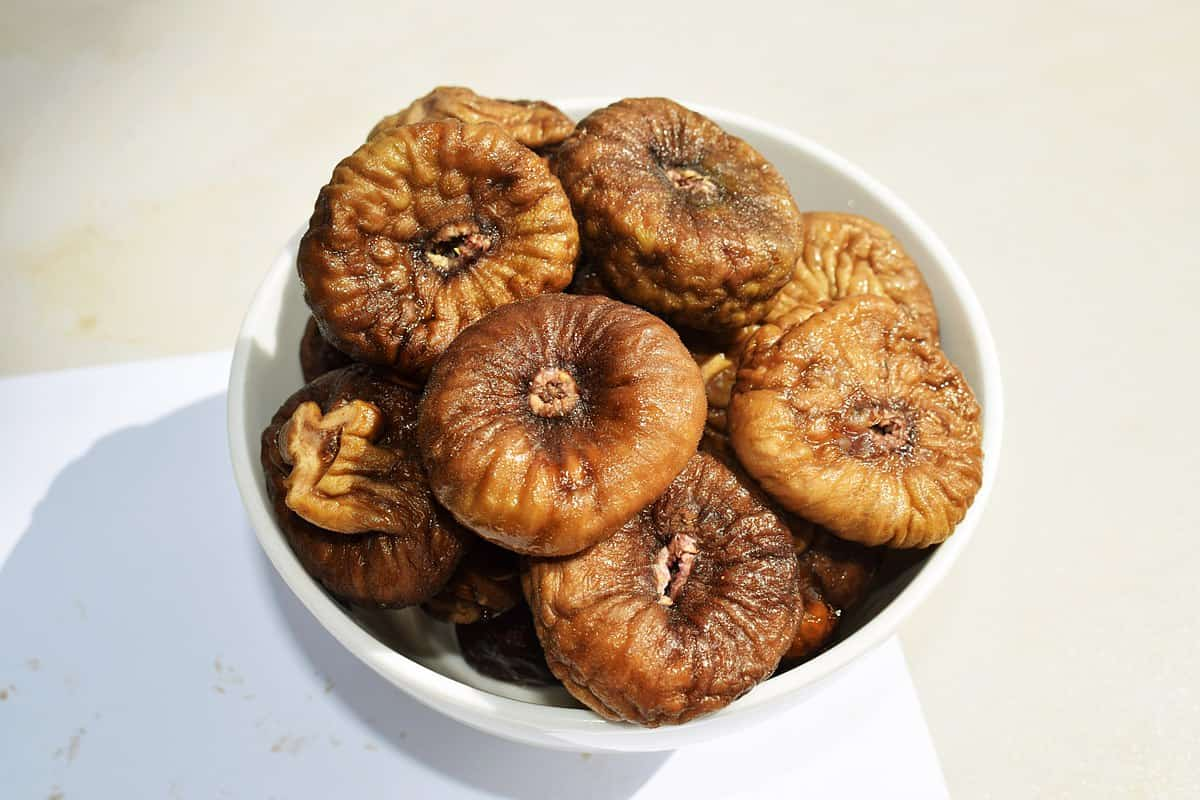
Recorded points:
(682,218)
(588,280)
(422,231)
(834,577)
(345,480)
(856,420)
(684,609)
(318,356)
(506,648)
(846,255)
(533,123)
(486,584)
(551,422)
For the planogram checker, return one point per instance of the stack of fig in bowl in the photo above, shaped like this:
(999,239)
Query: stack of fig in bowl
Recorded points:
(603,397)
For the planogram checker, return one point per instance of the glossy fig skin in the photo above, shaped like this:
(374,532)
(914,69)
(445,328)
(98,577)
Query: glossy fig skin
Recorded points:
(846,255)
(506,648)
(318,356)
(623,652)
(682,218)
(534,123)
(422,231)
(835,575)
(370,569)
(856,420)
(486,584)
(544,482)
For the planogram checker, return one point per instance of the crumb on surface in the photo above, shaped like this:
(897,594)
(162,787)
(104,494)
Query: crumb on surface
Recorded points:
(73,745)
(288,744)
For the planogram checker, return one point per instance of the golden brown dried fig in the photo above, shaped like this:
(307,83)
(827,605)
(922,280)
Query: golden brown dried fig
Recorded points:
(533,123)
(834,577)
(718,373)
(718,358)
(682,218)
(422,231)
(856,420)
(345,480)
(680,612)
(506,648)
(549,423)
(846,255)
(318,356)
(486,584)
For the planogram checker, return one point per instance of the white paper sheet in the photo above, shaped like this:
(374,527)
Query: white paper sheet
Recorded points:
(148,649)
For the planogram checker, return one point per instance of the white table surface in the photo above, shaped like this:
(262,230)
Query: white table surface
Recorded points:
(156,156)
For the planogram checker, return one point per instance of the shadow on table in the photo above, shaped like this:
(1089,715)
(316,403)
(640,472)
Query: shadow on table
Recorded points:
(487,763)
(114,582)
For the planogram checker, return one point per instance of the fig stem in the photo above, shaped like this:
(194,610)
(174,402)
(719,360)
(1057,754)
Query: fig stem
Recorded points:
(553,393)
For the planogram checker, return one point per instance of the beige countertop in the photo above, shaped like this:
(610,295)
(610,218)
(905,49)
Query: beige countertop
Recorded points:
(156,158)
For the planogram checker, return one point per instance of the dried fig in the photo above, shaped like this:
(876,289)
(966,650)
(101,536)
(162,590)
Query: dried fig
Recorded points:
(684,609)
(846,255)
(718,373)
(718,359)
(318,356)
(506,648)
(682,218)
(551,422)
(345,480)
(533,123)
(834,576)
(587,280)
(856,420)
(422,231)
(485,585)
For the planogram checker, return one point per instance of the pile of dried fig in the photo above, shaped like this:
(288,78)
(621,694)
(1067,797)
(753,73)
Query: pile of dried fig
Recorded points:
(602,397)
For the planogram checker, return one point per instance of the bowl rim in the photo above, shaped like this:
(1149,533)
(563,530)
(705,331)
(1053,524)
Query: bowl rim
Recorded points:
(434,688)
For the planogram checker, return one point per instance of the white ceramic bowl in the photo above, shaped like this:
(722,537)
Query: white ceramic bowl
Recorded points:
(420,656)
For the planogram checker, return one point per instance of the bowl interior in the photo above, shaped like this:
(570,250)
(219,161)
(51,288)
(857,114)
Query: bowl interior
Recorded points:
(266,371)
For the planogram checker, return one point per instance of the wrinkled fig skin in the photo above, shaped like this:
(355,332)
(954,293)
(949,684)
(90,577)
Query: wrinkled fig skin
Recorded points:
(718,358)
(533,123)
(318,356)
(835,575)
(549,467)
(846,255)
(486,584)
(682,218)
(506,648)
(370,569)
(425,229)
(623,652)
(856,420)
(844,570)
